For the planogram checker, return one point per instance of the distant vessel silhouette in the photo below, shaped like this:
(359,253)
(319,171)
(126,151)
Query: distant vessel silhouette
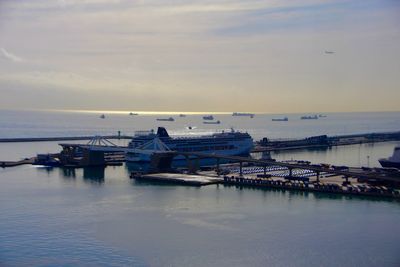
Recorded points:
(251,115)
(168,119)
(102,116)
(314,117)
(209,117)
(211,122)
(282,119)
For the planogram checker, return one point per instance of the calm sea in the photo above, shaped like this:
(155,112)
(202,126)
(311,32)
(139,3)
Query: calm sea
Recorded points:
(99,217)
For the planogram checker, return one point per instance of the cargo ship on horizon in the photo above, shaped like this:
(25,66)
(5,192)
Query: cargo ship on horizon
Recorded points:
(243,114)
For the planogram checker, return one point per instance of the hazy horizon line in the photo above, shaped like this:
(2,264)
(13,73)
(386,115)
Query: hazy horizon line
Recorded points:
(148,112)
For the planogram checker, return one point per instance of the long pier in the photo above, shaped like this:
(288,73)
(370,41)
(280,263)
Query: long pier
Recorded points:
(323,141)
(318,169)
(60,138)
(5,164)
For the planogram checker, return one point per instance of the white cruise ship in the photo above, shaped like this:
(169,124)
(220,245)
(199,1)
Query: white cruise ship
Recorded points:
(231,143)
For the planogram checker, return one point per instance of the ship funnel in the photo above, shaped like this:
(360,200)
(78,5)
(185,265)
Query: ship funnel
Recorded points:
(162,132)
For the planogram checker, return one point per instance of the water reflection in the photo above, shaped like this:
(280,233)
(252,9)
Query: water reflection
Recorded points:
(68,172)
(191,163)
(94,174)
(137,167)
(292,194)
(45,169)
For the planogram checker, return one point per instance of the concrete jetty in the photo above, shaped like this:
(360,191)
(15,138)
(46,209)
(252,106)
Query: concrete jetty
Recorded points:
(178,178)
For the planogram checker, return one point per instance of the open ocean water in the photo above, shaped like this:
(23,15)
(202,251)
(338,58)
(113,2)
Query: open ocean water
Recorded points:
(99,217)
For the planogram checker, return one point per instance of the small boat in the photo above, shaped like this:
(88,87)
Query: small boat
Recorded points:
(211,122)
(393,161)
(102,116)
(166,119)
(314,117)
(46,160)
(182,115)
(133,114)
(209,118)
(281,119)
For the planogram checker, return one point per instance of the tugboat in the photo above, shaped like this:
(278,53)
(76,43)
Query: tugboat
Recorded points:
(393,161)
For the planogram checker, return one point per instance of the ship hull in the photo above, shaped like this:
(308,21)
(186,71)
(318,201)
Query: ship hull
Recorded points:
(389,164)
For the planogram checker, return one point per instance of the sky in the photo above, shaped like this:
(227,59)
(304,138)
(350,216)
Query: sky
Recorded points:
(200,55)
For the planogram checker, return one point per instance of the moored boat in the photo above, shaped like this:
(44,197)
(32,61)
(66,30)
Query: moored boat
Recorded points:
(46,160)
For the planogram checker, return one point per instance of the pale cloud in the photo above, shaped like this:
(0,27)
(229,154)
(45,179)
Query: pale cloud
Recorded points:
(162,55)
(9,56)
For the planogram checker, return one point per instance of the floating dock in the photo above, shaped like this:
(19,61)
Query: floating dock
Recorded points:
(178,178)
